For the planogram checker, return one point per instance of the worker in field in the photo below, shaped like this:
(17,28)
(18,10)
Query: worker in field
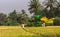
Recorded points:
(22,25)
(43,24)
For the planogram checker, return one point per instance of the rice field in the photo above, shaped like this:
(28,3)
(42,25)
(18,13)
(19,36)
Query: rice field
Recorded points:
(17,31)
(13,31)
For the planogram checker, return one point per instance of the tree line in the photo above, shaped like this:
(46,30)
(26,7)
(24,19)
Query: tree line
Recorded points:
(14,18)
(48,8)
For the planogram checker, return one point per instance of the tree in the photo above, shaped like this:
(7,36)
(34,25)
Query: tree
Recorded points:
(57,11)
(50,6)
(13,15)
(19,18)
(12,18)
(24,16)
(35,6)
(3,19)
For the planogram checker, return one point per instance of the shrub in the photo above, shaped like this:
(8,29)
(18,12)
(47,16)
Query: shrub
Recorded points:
(57,21)
(49,24)
(32,24)
(12,23)
(38,24)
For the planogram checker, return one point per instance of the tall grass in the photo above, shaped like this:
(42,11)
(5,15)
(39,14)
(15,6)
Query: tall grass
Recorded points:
(16,31)
(53,31)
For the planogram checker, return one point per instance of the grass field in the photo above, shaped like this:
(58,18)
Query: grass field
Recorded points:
(17,31)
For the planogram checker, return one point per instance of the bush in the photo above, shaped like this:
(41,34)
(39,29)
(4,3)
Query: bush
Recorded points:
(38,24)
(57,21)
(32,24)
(29,25)
(12,23)
(49,24)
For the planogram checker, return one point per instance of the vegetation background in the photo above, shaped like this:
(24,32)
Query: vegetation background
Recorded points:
(48,8)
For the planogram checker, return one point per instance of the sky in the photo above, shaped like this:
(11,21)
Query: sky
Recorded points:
(7,6)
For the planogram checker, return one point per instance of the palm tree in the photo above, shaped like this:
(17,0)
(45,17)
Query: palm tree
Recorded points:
(57,13)
(50,5)
(35,6)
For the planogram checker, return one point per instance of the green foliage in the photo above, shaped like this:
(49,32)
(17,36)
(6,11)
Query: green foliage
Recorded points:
(34,6)
(24,17)
(29,25)
(38,24)
(12,23)
(13,15)
(52,5)
(3,19)
(57,21)
(37,17)
(33,24)
(48,24)
(31,20)
(12,19)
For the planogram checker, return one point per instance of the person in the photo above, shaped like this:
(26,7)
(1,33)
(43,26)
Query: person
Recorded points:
(43,24)
(22,26)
